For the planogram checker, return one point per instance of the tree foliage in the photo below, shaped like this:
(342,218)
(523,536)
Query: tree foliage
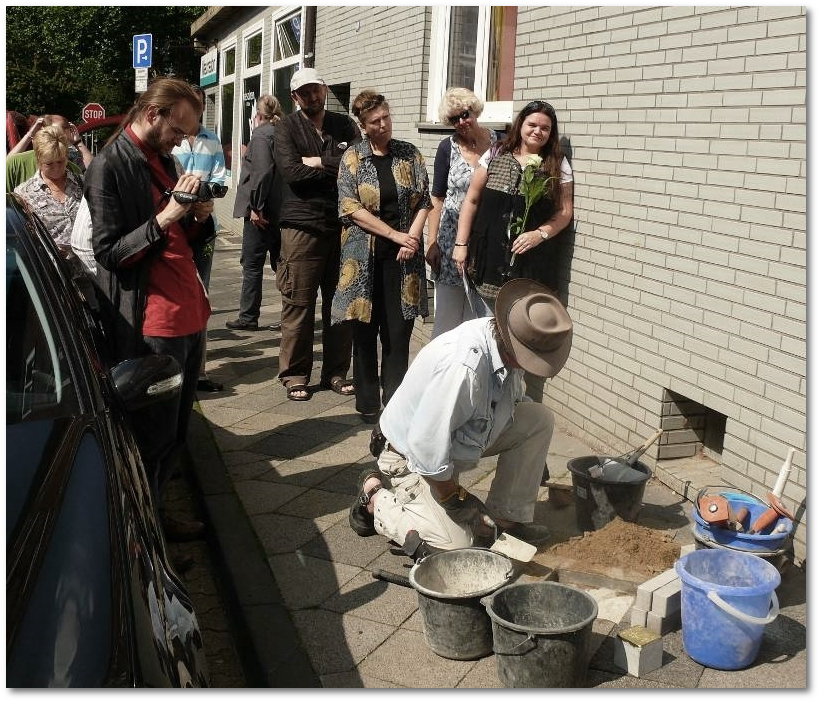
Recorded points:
(59,58)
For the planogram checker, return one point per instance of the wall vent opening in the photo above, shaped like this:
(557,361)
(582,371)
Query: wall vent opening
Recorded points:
(690,429)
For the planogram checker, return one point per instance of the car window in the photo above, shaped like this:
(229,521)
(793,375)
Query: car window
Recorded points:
(38,377)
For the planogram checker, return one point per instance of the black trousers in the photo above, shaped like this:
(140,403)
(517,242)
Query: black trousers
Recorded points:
(388,326)
(257,246)
(162,430)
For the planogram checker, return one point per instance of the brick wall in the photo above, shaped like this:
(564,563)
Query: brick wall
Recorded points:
(687,267)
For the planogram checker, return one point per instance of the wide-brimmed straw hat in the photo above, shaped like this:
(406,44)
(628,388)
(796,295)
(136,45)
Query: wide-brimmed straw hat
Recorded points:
(534,326)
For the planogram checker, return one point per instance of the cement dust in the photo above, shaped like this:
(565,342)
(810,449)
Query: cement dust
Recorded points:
(622,544)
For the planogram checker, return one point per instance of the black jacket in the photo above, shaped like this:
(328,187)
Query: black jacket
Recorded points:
(118,191)
(260,185)
(311,196)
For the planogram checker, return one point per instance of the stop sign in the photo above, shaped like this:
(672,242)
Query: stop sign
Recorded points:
(93,110)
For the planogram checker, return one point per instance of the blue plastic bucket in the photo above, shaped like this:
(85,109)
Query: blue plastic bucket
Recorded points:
(768,543)
(727,598)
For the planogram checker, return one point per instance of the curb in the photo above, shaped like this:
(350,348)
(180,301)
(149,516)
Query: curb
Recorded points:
(270,649)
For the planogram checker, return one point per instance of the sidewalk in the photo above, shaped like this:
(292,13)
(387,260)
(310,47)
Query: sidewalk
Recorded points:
(277,478)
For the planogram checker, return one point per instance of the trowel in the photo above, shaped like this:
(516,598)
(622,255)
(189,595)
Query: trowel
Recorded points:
(509,545)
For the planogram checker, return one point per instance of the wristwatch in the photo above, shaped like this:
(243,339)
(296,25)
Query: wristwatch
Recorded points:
(544,234)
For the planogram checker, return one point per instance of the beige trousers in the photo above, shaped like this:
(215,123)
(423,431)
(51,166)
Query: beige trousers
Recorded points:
(521,450)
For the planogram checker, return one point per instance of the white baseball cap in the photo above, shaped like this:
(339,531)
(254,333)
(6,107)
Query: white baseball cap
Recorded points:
(305,76)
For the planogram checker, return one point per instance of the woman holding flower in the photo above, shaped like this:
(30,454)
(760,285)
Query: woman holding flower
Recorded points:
(520,196)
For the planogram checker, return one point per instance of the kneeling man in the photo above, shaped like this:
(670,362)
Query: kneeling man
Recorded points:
(461,399)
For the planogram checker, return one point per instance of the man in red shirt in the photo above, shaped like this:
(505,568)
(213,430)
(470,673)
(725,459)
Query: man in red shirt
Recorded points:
(153,300)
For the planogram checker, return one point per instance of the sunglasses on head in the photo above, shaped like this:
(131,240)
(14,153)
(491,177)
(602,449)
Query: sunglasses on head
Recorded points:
(461,115)
(537,105)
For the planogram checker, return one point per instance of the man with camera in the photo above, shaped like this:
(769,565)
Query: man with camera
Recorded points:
(144,217)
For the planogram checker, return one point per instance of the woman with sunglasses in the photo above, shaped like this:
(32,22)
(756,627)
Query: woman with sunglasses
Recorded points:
(383,201)
(456,159)
(493,201)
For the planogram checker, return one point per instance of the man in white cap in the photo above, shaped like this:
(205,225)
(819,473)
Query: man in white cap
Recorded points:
(461,399)
(308,147)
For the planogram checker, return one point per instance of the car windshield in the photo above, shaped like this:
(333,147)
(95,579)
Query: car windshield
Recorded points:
(38,378)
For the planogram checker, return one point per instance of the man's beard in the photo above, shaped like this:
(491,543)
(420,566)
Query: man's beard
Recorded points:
(153,140)
(313,110)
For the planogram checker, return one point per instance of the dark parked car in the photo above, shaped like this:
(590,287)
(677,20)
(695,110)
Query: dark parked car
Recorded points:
(91,597)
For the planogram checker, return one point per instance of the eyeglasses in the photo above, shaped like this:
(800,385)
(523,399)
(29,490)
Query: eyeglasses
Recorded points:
(177,131)
(454,120)
(537,105)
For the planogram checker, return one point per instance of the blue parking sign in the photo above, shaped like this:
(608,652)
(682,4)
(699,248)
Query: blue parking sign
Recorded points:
(142,51)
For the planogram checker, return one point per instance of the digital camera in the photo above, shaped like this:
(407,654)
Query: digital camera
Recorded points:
(207,191)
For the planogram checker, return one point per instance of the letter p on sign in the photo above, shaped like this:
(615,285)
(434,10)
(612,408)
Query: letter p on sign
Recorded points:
(142,50)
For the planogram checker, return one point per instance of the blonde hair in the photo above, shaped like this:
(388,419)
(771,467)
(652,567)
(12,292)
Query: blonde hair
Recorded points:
(457,100)
(50,144)
(269,108)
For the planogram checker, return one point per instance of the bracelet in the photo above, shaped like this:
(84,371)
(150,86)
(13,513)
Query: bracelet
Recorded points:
(457,244)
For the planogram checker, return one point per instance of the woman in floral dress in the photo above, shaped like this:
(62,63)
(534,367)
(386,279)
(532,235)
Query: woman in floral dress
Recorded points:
(383,201)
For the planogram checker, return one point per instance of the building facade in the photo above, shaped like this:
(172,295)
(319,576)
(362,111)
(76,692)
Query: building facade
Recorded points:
(685,268)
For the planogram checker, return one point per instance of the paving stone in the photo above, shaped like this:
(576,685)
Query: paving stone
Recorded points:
(374,599)
(260,497)
(280,533)
(337,643)
(305,581)
(336,544)
(406,660)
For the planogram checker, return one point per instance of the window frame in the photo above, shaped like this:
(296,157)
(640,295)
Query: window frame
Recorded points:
(280,15)
(494,111)
(226,79)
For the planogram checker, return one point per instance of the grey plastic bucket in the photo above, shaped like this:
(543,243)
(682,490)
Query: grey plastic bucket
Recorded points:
(450,586)
(598,500)
(541,634)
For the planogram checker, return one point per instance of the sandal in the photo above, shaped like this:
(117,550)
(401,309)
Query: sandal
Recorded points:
(338,384)
(296,388)
(361,521)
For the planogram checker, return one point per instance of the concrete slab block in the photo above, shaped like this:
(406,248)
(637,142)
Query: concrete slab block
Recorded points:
(637,617)
(666,599)
(638,651)
(663,625)
(643,597)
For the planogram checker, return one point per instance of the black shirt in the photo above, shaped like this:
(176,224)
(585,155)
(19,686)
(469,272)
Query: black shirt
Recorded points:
(310,200)
(388,205)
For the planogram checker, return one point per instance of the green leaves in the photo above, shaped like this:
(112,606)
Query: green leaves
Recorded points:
(533,186)
(59,58)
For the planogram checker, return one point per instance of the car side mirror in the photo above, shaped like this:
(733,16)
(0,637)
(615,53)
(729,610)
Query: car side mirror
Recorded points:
(145,381)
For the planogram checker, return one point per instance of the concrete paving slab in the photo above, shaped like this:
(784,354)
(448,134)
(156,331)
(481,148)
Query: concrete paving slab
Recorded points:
(406,660)
(261,497)
(338,643)
(305,581)
(378,600)
(483,676)
(279,533)
(335,544)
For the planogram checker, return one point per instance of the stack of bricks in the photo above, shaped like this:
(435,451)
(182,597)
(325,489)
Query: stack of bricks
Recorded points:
(683,422)
(657,602)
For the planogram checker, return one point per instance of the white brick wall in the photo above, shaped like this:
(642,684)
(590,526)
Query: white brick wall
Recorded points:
(688,132)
